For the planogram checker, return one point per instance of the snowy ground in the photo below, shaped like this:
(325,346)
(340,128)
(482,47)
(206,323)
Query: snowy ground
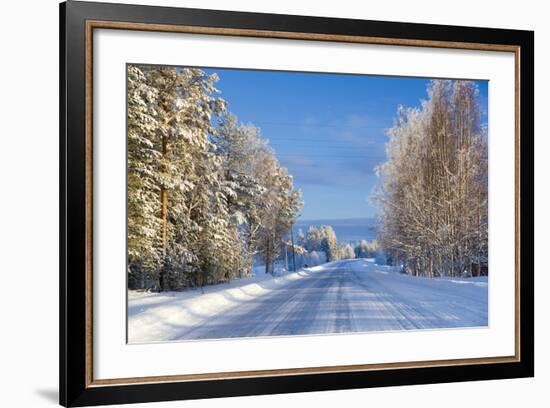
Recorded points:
(343,296)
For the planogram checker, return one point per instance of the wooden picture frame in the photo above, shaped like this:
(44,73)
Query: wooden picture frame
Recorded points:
(78,20)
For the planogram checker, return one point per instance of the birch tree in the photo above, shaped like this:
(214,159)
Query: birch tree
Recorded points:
(433,194)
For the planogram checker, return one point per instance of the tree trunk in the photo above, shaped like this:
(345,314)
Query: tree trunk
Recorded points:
(164,217)
(164,201)
(267,256)
(293,255)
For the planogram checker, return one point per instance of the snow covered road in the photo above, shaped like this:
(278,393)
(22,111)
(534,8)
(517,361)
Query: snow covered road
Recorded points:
(343,296)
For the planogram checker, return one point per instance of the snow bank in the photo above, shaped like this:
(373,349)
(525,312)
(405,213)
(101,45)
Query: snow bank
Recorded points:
(342,296)
(154,317)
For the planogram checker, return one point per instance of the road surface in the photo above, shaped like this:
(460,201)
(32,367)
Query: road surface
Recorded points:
(349,296)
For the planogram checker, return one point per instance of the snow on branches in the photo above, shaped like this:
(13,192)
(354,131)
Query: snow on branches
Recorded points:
(433,194)
(205,193)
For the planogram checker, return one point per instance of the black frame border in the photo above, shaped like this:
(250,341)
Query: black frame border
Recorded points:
(72,254)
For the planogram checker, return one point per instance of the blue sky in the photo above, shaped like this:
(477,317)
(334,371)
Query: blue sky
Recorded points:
(327,129)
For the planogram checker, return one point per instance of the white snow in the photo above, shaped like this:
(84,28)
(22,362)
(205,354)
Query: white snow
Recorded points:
(161,316)
(342,296)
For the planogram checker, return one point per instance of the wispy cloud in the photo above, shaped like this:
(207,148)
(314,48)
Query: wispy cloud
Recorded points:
(339,152)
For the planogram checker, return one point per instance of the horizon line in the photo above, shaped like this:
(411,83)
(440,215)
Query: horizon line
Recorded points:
(335,219)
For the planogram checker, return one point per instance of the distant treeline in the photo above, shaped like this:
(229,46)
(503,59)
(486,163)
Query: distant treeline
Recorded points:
(206,194)
(323,239)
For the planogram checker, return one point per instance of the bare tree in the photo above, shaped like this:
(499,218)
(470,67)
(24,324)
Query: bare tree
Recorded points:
(433,195)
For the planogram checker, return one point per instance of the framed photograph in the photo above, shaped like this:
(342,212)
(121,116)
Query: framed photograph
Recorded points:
(256,204)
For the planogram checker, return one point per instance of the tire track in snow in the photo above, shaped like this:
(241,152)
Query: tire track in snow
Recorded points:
(344,297)
(253,317)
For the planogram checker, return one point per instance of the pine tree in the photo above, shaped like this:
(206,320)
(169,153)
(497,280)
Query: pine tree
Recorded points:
(169,112)
(144,224)
(239,146)
(202,199)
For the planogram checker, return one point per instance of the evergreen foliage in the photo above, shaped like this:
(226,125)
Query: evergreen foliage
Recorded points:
(205,193)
